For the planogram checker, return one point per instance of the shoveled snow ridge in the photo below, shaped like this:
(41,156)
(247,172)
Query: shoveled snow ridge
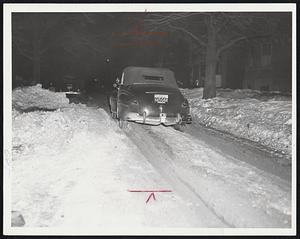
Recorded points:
(35,97)
(247,114)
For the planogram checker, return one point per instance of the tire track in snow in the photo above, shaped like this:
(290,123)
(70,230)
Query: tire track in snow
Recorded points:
(159,158)
(253,189)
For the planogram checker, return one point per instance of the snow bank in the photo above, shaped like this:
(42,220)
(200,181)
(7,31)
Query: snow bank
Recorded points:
(249,114)
(35,97)
(30,129)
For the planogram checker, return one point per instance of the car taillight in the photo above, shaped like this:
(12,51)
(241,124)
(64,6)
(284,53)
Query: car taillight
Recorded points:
(135,102)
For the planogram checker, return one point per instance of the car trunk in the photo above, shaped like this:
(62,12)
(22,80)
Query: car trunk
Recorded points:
(156,99)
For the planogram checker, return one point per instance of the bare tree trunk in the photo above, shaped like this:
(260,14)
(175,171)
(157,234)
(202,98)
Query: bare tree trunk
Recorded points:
(36,51)
(192,76)
(191,67)
(161,60)
(210,64)
(36,68)
(223,60)
(199,74)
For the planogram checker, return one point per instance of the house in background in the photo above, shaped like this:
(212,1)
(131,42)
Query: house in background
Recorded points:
(260,64)
(268,65)
(231,67)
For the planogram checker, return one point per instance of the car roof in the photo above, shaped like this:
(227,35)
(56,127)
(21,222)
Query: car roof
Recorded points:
(147,69)
(133,74)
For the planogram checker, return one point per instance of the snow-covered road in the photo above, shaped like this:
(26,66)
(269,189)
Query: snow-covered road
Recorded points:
(238,193)
(73,168)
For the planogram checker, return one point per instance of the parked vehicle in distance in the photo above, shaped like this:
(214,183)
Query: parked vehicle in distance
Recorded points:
(149,96)
(71,88)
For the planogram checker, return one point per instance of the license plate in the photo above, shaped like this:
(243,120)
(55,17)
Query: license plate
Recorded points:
(161,98)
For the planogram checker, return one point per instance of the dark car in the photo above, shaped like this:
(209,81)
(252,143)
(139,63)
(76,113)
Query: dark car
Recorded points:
(72,88)
(149,96)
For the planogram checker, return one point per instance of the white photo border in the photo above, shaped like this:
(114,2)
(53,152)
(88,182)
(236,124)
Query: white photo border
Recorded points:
(8,9)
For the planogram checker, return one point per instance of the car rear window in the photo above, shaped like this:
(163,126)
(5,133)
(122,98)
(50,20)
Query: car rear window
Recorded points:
(155,78)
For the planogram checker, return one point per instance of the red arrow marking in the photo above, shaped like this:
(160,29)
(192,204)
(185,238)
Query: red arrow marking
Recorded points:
(151,195)
(150,191)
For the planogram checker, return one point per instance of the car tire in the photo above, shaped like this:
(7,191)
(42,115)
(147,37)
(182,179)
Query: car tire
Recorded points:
(180,127)
(123,124)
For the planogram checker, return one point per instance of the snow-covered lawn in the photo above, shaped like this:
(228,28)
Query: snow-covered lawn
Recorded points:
(248,114)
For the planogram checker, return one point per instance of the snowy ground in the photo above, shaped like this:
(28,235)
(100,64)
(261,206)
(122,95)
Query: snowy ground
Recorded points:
(72,168)
(249,114)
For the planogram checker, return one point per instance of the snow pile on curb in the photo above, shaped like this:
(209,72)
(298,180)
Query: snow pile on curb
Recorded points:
(37,97)
(249,114)
(29,130)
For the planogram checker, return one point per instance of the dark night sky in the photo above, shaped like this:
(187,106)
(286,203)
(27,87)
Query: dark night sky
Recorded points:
(86,43)
(79,44)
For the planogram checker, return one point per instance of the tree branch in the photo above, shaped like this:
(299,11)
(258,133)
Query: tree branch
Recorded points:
(70,52)
(161,19)
(229,44)
(224,23)
(87,44)
(88,18)
(22,52)
(202,43)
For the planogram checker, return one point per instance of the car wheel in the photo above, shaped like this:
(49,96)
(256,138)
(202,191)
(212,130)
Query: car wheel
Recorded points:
(114,115)
(123,124)
(180,127)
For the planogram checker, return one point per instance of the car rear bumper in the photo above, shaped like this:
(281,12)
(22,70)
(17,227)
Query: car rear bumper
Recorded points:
(72,93)
(162,119)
